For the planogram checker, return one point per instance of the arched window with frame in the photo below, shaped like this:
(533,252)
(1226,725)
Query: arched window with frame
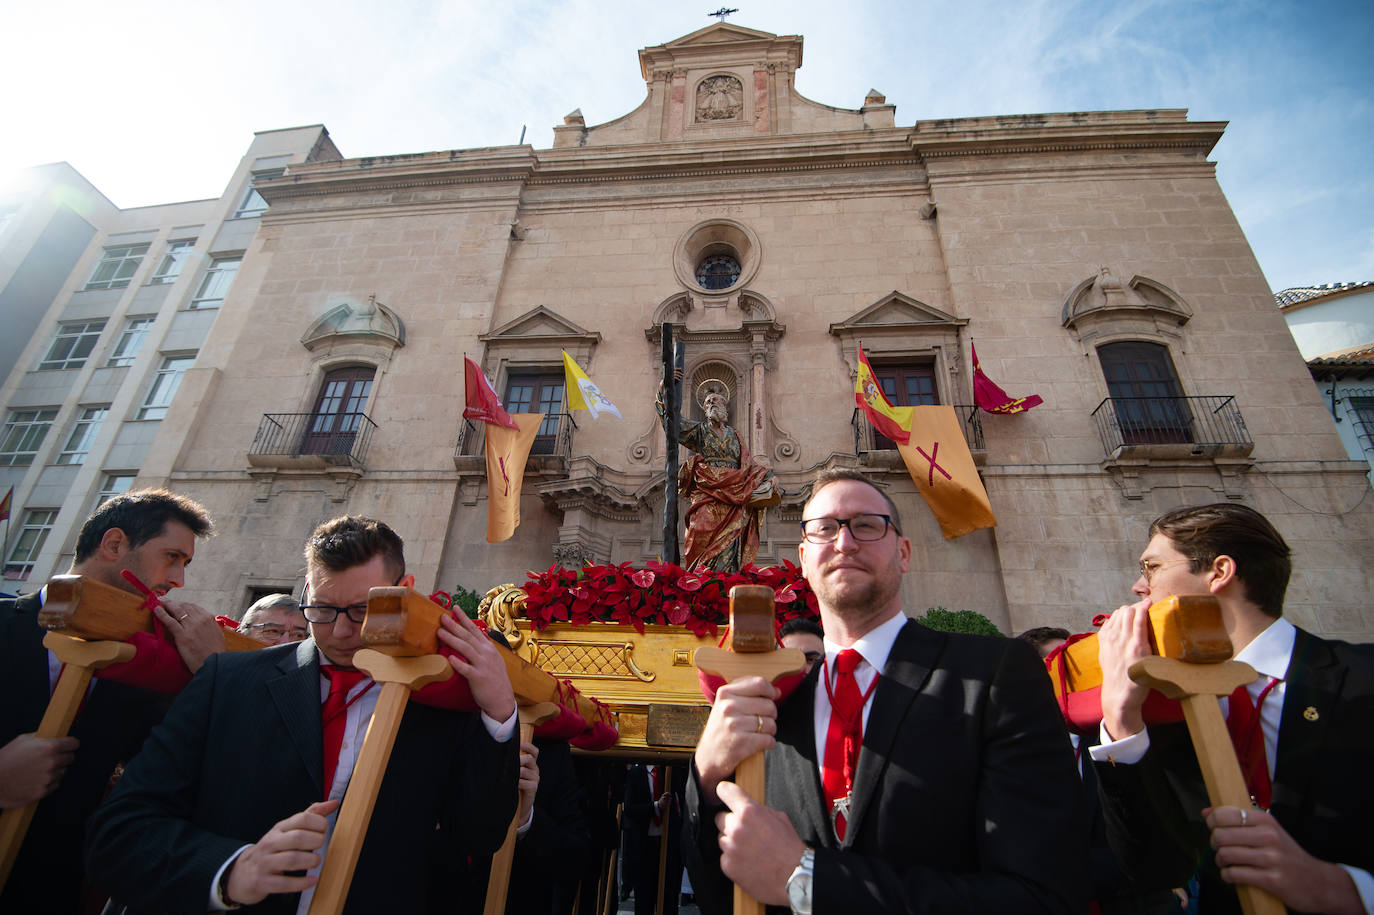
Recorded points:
(1145,393)
(338,413)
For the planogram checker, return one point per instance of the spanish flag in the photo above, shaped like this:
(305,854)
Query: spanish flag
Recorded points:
(941,466)
(894,422)
(507,451)
(583,394)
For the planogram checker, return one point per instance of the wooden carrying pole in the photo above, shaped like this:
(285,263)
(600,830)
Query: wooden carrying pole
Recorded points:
(666,818)
(401,629)
(92,610)
(753,653)
(80,659)
(1197,687)
(498,881)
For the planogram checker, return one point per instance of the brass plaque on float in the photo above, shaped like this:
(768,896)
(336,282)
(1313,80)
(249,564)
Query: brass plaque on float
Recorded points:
(676,725)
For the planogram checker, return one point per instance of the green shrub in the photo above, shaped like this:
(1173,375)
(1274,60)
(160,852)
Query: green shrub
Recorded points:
(464,600)
(970,621)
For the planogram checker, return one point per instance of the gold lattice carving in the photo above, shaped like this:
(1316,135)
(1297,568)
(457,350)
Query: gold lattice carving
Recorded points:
(589,660)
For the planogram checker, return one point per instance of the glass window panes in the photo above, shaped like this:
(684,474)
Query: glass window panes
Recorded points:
(24,434)
(72,345)
(253,204)
(37,523)
(216,282)
(126,348)
(719,271)
(114,485)
(165,385)
(83,433)
(169,268)
(117,267)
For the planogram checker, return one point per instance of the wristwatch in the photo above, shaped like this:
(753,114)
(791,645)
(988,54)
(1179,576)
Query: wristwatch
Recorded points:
(799,884)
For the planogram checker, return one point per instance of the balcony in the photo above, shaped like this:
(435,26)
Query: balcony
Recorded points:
(549,454)
(312,441)
(1172,427)
(874,448)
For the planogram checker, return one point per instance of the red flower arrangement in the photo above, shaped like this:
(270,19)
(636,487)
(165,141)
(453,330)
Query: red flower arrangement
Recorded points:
(658,594)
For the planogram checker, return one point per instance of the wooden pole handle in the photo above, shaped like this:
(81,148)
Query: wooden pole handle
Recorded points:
(498,878)
(398,677)
(750,777)
(81,659)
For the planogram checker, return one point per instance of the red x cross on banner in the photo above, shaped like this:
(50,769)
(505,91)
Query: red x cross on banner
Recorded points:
(935,450)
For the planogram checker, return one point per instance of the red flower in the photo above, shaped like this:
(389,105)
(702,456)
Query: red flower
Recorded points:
(677,612)
(690,581)
(644,578)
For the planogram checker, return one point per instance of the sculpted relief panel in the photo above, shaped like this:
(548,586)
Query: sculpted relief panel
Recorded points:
(720,98)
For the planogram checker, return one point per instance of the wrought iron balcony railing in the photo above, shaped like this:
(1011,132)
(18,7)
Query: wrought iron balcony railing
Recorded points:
(554,438)
(1210,424)
(336,438)
(866,438)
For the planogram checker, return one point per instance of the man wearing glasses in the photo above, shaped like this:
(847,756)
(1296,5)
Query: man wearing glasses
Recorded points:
(913,770)
(232,800)
(1303,731)
(275,619)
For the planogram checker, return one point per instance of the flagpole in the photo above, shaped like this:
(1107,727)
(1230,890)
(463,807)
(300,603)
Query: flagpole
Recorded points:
(672,395)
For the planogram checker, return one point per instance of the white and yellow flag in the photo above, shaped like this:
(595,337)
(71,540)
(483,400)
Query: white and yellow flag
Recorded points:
(583,394)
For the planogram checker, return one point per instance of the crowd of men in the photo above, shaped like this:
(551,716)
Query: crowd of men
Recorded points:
(911,771)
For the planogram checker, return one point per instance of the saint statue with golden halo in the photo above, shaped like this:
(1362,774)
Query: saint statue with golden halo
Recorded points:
(724,488)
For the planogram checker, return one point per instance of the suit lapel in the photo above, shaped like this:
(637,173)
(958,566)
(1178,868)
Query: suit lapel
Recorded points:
(295,689)
(797,775)
(913,656)
(29,661)
(1314,683)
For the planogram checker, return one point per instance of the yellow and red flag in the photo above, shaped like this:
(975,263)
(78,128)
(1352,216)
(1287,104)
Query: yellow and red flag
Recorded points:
(507,451)
(941,466)
(990,397)
(894,422)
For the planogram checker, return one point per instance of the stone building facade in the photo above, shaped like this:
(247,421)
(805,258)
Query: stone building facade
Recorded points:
(1091,256)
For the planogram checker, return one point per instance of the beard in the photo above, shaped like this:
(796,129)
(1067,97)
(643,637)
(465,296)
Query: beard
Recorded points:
(856,601)
(717,414)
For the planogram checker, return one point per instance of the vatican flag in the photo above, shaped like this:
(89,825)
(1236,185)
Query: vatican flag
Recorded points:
(941,466)
(582,393)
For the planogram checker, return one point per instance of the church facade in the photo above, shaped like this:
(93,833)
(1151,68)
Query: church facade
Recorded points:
(1091,257)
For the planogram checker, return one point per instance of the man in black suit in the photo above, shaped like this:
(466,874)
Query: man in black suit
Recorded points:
(1315,699)
(963,793)
(232,800)
(151,533)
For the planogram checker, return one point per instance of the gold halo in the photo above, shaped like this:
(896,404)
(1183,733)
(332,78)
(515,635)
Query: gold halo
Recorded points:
(712,386)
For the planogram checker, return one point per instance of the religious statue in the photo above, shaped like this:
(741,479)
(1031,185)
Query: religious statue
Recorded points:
(725,489)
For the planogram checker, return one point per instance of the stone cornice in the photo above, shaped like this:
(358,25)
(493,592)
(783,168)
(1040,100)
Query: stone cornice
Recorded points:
(1055,133)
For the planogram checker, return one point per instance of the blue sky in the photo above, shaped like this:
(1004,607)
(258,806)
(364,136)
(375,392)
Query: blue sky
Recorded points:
(155,101)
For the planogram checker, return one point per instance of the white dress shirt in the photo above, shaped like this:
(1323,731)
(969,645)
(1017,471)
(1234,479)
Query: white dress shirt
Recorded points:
(874,647)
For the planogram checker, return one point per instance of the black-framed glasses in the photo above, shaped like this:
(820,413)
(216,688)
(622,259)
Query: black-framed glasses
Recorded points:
(1148,567)
(328,613)
(865,527)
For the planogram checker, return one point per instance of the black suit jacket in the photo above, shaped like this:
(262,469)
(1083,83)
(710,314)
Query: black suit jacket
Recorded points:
(965,798)
(114,720)
(242,748)
(1322,795)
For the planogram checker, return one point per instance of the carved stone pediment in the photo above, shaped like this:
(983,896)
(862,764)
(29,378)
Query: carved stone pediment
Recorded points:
(894,312)
(349,322)
(898,325)
(545,324)
(718,33)
(1102,308)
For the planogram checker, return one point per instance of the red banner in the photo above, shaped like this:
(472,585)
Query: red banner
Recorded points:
(987,395)
(481,402)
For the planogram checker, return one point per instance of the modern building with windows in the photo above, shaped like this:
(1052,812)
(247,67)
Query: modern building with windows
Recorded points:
(105,312)
(1092,257)
(1333,325)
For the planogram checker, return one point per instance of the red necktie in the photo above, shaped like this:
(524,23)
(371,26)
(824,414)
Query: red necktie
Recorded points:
(844,737)
(334,715)
(1243,723)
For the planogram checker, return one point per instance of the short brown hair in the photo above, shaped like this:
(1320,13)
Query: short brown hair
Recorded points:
(838,474)
(351,540)
(142,515)
(1263,560)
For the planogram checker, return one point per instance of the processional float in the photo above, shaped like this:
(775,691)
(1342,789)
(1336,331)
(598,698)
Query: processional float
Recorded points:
(1191,666)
